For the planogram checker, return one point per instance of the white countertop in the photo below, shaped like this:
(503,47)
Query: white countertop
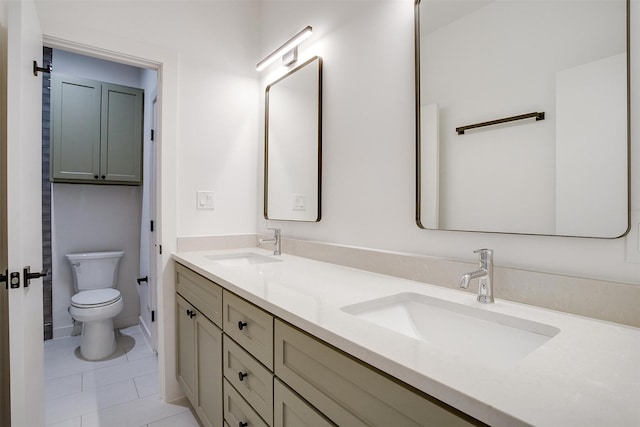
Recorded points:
(587,375)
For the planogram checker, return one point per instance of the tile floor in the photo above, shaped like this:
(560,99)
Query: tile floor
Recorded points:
(120,391)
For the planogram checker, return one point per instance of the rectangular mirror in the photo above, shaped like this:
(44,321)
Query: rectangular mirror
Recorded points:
(522,116)
(293,144)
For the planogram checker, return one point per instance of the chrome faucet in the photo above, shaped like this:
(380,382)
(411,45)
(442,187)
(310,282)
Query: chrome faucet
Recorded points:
(275,240)
(484,276)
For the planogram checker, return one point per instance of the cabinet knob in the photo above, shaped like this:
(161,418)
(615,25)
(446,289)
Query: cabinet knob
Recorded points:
(96,176)
(242,375)
(241,324)
(104,176)
(242,424)
(191,313)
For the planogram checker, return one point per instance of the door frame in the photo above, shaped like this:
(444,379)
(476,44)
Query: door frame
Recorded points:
(5,384)
(153,215)
(141,55)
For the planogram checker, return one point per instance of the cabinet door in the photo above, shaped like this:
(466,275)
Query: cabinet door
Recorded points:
(209,364)
(121,141)
(186,350)
(75,122)
(291,411)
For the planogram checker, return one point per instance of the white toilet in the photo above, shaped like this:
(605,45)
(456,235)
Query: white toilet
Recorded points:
(97,302)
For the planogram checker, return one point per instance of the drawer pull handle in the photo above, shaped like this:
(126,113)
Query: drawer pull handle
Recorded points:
(242,375)
(242,424)
(241,324)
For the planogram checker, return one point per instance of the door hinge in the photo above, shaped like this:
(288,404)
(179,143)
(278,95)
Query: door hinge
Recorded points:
(37,69)
(5,278)
(160,246)
(28,275)
(151,226)
(153,315)
(153,135)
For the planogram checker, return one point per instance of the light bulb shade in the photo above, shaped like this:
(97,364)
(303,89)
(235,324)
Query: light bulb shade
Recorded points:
(285,48)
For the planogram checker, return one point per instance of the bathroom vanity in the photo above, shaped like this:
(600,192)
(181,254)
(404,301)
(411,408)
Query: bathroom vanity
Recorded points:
(288,341)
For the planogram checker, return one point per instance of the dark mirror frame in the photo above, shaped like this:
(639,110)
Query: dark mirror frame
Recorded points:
(418,128)
(319,144)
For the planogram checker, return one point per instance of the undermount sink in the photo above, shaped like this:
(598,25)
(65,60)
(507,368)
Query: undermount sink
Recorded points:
(487,337)
(241,259)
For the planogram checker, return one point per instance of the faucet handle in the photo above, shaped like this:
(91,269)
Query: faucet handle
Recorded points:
(485,254)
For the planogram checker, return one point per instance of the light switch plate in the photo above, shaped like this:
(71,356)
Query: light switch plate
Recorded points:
(205,200)
(633,239)
(298,202)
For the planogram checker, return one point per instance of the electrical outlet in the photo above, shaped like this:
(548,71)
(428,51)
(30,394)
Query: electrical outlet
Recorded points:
(298,202)
(205,200)
(633,239)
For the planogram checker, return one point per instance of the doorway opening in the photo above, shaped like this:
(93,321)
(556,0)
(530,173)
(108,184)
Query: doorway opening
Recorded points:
(84,217)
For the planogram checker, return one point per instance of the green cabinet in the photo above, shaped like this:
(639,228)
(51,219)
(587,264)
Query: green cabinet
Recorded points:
(96,131)
(199,344)
(350,393)
(272,374)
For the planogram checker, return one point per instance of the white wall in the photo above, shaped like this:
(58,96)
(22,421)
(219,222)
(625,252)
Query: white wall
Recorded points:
(93,218)
(368,144)
(587,180)
(95,69)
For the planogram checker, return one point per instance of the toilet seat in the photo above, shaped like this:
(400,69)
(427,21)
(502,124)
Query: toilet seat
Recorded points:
(95,298)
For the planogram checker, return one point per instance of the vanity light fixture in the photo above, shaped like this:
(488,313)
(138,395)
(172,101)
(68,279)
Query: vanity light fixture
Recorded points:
(288,51)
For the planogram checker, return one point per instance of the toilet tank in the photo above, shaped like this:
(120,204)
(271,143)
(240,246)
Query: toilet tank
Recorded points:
(94,270)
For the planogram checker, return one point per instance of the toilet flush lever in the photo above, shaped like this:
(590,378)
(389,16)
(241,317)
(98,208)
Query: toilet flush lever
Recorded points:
(28,275)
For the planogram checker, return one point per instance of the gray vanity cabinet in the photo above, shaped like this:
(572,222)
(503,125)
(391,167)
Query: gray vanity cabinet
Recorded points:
(277,375)
(350,393)
(237,412)
(96,131)
(247,362)
(291,411)
(199,345)
(250,378)
(250,327)
(186,349)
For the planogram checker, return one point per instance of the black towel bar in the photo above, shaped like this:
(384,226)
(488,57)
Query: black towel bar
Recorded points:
(538,116)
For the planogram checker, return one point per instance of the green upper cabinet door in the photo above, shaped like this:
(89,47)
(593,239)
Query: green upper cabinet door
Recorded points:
(75,128)
(96,131)
(121,136)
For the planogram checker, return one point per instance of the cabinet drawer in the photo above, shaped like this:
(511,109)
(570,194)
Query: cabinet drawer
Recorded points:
(291,411)
(237,411)
(202,293)
(256,385)
(250,327)
(351,393)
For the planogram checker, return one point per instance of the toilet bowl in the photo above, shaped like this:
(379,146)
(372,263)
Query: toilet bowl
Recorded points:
(96,302)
